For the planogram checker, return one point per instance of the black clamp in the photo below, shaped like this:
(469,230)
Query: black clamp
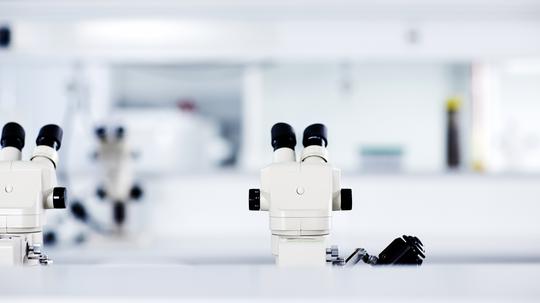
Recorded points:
(407,250)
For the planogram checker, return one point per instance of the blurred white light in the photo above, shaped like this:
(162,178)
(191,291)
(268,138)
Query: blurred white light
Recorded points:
(530,66)
(143,32)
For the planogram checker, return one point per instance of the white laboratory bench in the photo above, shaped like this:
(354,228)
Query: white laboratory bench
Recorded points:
(215,271)
(164,282)
(481,236)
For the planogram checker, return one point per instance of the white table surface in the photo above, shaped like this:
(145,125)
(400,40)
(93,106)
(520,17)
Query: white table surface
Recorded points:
(496,282)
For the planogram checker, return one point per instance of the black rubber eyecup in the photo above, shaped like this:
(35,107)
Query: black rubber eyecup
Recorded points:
(50,135)
(315,134)
(120,132)
(101,132)
(13,136)
(283,136)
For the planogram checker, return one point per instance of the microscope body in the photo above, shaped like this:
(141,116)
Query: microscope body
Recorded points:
(27,188)
(300,197)
(117,169)
(116,162)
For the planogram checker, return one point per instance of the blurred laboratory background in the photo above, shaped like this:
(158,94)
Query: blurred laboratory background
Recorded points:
(432,109)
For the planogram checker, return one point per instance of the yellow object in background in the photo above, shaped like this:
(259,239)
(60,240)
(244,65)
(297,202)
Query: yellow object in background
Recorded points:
(453,104)
(453,130)
(478,166)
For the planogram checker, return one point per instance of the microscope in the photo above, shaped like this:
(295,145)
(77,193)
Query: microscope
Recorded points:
(300,196)
(26,189)
(116,160)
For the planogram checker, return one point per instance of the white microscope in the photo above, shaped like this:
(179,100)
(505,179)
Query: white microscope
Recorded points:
(26,189)
(116,160)
(300,196)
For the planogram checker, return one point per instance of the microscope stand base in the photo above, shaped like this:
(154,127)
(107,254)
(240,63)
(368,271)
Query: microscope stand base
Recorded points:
(299,251)
(19,250)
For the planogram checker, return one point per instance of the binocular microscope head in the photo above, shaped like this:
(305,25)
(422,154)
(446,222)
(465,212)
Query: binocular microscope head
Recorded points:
(300,195)
(26,189)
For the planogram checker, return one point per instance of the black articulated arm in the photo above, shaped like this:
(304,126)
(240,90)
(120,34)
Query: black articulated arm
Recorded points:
(407,250)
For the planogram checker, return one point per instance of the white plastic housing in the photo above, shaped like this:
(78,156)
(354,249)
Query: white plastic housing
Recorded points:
(300,197)
(116,161)
(26,189)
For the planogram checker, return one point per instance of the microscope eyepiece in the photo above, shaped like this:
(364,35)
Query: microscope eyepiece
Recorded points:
(101,133)
(120,132)
(283,136)
(13,136)
(50,135)
(315,134)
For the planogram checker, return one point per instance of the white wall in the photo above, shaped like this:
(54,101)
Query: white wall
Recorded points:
(518,136)
(509,95)
(387,104)
(33,95)
(166,40)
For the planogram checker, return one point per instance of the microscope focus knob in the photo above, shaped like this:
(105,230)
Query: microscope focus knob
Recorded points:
(50,238)
(50,135)
(78,210)
(59,197)
(119,212)
(254,199)
(136,192)
(346,199)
